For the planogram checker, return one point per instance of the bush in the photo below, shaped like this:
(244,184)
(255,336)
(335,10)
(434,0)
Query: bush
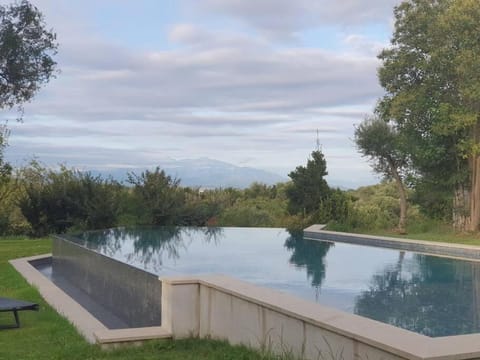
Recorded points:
(161,197)
(12,222)
(376,207)
(54,202)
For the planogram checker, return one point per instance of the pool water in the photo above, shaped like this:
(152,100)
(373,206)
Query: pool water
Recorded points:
(431,295)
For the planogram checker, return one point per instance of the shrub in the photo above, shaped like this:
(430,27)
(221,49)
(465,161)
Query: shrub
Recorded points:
(54,202)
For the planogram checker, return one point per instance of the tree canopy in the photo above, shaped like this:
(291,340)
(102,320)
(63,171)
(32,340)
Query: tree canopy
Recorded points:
(308,187)
(380,142)
(27,48)
(431,78)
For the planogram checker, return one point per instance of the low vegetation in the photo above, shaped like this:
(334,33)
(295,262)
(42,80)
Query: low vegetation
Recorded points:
(38,201)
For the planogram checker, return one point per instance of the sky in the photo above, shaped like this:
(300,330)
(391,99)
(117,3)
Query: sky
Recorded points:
(248,82)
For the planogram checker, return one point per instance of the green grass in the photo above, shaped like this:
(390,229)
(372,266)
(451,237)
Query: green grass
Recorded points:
(47,335)
(432,232)
(447,237)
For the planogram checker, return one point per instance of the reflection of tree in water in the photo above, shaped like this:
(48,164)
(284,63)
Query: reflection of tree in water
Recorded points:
(150,244)
(429,295)
(108,241)
(309,254)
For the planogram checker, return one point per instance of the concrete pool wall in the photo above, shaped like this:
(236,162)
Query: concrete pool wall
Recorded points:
(226,308)
(104,279)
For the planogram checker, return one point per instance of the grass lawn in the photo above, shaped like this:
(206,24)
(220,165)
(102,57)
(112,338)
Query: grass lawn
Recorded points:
(47,335)
(442,233)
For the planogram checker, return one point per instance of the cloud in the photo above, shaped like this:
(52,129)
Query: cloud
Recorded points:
(360,44)
(284,18)
(144,86)
(231,95)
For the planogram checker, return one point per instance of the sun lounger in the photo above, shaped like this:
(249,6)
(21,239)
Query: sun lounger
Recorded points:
(12,305)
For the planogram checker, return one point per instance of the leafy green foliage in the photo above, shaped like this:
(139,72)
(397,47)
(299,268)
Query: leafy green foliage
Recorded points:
(45,201)
(311,200)
(375,208)
(432,199)
(308,187)
(5,167)
(431,77)
(335,208)
(26,50)
(7,185)
(26,63)
(160,195)
(378,140)
(201,207)
(54,202)
(258,205)
(381,143)
(12,222)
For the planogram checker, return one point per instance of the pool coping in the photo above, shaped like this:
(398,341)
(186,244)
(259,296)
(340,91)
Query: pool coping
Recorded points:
(458,251)
(394,340)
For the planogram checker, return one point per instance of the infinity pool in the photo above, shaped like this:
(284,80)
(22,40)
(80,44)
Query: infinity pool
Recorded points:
(434,296)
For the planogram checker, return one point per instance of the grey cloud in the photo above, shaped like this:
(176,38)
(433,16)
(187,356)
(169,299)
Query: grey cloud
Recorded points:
(220,78)
(224,95)
(84,155)
(38,131)
(283,18)
(199,37)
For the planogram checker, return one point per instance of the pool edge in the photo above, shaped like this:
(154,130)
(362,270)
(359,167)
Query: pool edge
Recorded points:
(86,324)
(456,251)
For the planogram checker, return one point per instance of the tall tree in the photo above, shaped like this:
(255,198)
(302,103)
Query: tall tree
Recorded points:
(432,81)
(380,142)
(26,50)
(308,188)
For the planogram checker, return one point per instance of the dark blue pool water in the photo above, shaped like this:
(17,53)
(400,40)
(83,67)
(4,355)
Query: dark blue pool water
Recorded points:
(431,295)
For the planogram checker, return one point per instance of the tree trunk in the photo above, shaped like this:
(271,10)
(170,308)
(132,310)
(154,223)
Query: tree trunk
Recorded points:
(475,178)
(461,208)
(402,223)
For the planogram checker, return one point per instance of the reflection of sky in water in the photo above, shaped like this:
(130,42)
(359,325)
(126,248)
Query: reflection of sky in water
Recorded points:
(405,289)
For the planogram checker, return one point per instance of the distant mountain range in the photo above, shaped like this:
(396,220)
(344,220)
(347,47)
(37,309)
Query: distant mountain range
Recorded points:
(203,172)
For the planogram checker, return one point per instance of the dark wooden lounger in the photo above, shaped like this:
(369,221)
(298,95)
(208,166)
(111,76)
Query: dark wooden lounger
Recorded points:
(15,306)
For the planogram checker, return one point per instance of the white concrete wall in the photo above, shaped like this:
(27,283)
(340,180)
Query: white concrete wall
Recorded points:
(225,308)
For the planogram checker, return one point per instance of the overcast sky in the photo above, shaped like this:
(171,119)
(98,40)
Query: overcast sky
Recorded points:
(243,81)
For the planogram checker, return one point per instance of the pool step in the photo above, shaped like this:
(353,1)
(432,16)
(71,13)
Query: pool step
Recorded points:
(131,335)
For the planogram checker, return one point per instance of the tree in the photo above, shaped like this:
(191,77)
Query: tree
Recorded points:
(308,188)
(161,196)
(26,50)
(380,142)
(5,167)
(432,81)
